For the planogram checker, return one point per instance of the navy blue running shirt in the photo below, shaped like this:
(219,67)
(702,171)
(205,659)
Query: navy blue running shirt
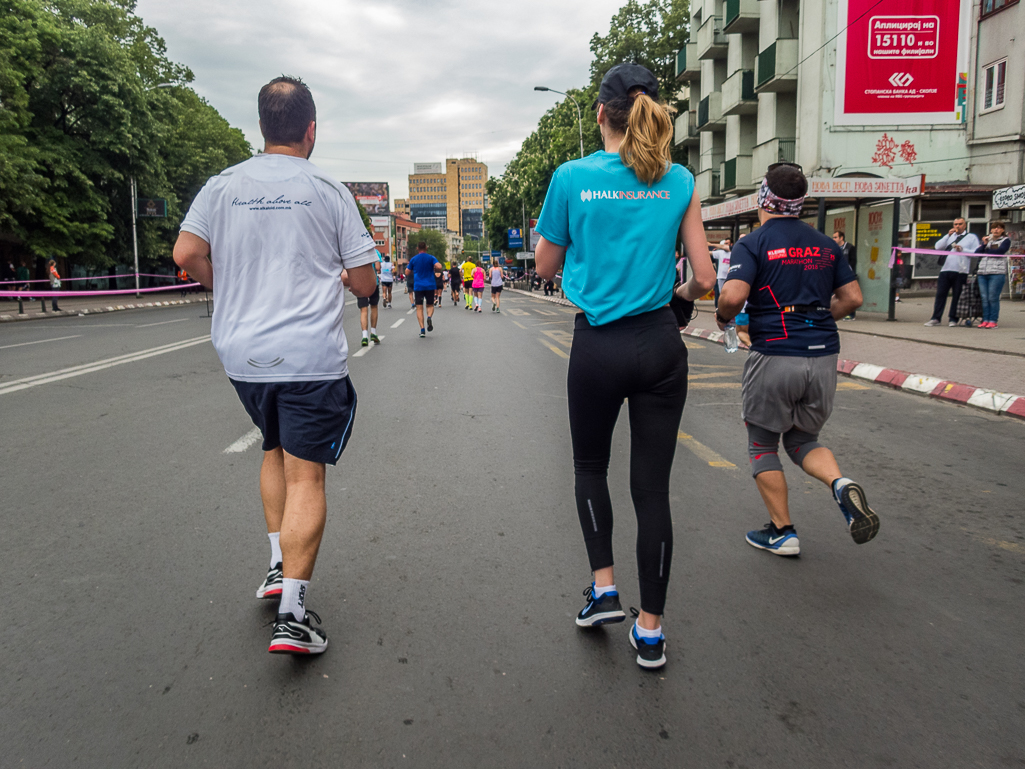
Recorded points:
(422,266)
(788,263)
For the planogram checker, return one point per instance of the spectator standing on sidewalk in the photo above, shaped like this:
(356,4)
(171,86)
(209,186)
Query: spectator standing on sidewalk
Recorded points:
(721,257)
(23,277)
(954,270)
(992,273)
(840,238)
(280,273)
(55,282)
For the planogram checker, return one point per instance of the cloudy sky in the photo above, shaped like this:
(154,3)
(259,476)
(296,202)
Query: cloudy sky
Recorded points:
(396,81)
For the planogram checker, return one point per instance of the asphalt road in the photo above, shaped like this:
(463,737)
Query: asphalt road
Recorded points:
(453,564)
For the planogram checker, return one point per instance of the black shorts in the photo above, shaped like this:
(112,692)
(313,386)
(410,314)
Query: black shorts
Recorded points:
(496,289)
(468,284)
(369,301)
(424,297)
(309,420)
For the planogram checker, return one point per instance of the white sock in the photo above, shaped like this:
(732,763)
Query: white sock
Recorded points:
(275,548)
(373,331)
(645,633)
(293,598)
(366,334)
(600,591)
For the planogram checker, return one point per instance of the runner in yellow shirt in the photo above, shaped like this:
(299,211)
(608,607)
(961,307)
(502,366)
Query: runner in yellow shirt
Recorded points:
(468,267)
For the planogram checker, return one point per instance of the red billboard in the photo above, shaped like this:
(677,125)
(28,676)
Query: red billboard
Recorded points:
(899,62)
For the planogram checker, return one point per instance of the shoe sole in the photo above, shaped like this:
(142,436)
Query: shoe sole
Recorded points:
(648,664)
(430,325)
(605,618)
(865,525)
(787,550)
(297,647)
(274,592)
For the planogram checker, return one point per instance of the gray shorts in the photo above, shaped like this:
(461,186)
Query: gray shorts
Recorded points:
(784,391)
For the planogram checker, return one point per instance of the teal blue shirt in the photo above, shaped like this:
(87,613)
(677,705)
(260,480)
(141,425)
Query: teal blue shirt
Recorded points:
(619,234)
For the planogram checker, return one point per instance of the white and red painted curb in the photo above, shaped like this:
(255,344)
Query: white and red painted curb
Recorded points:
(921,384)
(12,317)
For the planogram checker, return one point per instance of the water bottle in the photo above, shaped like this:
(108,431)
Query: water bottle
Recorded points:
(730,340)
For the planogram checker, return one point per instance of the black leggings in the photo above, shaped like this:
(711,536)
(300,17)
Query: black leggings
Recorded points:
(643,360)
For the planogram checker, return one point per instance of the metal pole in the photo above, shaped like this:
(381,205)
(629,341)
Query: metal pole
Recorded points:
(892,311)
(820,225)
(135,239)
(580,126)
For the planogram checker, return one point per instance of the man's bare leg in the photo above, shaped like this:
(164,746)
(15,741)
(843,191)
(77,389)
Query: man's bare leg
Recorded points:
(821,464)
(304,517)
(772,485)
(272,488)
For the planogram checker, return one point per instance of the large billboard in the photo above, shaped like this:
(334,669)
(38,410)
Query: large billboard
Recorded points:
(373,196)
(901,62)
(426,168)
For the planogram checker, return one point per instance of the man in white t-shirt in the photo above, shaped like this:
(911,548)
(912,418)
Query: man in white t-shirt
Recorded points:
(954,272)
(283,240)
(721,255)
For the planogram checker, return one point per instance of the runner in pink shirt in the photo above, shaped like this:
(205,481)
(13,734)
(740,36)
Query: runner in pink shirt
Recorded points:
(478,287)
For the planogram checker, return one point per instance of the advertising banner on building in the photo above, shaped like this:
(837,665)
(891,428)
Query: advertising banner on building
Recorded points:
(373,196)
(514,238)
(901,62)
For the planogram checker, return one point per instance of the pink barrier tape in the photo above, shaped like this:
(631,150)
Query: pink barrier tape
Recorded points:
(43,294)
(893,253)
(95,277)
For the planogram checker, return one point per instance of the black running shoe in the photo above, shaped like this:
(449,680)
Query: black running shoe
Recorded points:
(650,656)
(271,587)
(862,521)
(430,324)
(600,611)
(294,637)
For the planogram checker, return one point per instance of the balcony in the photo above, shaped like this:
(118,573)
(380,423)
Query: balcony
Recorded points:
(741,16)
(738,93)
(707,185)
(686,132)
(776,67)
(735,174)
(710,117)
(772,151)
(711,40)
(687,65)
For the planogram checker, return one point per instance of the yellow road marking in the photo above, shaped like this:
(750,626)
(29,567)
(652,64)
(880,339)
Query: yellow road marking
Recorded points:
(545,312)
(702,451)
(554,349)
(520,325)
(705,365)
(520,313)
(714,386)
(562,337)
(710,375)
(851,386)
(693,345)
(1012,547)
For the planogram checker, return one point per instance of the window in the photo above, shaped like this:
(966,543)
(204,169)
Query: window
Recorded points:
(976,210)
(991,6)
(994,79)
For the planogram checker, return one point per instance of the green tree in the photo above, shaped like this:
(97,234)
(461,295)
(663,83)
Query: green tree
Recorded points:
(436,244)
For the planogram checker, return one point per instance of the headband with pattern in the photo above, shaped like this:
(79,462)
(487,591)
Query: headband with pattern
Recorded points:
(774,204)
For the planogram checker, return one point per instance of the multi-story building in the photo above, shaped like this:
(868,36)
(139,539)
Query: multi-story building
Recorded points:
(404,226)
(848,90)
(401,207)
(450,199)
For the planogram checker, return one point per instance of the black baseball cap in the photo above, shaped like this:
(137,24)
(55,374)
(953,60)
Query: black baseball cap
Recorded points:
(622,79)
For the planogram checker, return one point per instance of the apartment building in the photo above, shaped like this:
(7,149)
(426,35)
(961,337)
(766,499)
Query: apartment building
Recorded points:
(452,198)
(401,207)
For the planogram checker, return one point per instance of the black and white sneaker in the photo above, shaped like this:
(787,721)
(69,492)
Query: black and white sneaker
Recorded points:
(600,611)
(292,636)
(650,655)
(271,587)
(862,521)
(430,324)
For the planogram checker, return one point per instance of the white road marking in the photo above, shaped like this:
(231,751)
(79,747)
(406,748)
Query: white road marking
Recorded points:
(244,442)
(41,341)
(396,324)
(364,350)
(163,322)
(88,368)
(411,311)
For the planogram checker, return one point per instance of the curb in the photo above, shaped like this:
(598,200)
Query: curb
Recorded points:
(919,384)
(15,317)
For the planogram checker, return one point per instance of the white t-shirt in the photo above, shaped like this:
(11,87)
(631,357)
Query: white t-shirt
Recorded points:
(496,276)
(958,261)
(280,233)
(724,263)
(387,276)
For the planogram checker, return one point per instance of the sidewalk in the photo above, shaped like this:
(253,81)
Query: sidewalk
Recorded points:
(96,304)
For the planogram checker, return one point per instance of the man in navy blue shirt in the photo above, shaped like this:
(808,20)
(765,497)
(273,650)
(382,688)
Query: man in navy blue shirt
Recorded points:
(424,268)
(797,283)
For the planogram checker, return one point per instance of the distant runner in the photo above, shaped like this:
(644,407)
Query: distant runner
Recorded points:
(423,269)
(368,307)
(280,299)
(387,278)
(497,275)
(455,279)
(478,288)
(468,267)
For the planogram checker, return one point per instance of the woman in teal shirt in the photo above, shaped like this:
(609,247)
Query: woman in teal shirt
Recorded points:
(611,222)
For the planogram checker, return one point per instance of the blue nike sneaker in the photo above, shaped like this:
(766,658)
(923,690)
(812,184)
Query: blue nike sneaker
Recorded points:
(779,541)
(600,611)
(862,521)
(651,654)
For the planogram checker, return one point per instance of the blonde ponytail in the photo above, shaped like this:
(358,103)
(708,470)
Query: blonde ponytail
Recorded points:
(646,140)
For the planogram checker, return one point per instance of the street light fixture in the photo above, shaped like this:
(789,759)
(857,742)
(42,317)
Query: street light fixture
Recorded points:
(580,120)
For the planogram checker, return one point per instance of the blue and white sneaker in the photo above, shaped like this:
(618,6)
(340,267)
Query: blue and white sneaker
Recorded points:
(651,654)
(600,611)
(861,519)
(779,541)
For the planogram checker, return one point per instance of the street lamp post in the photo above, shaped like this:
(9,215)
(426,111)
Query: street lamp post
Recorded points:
(580,120)
(135,206)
